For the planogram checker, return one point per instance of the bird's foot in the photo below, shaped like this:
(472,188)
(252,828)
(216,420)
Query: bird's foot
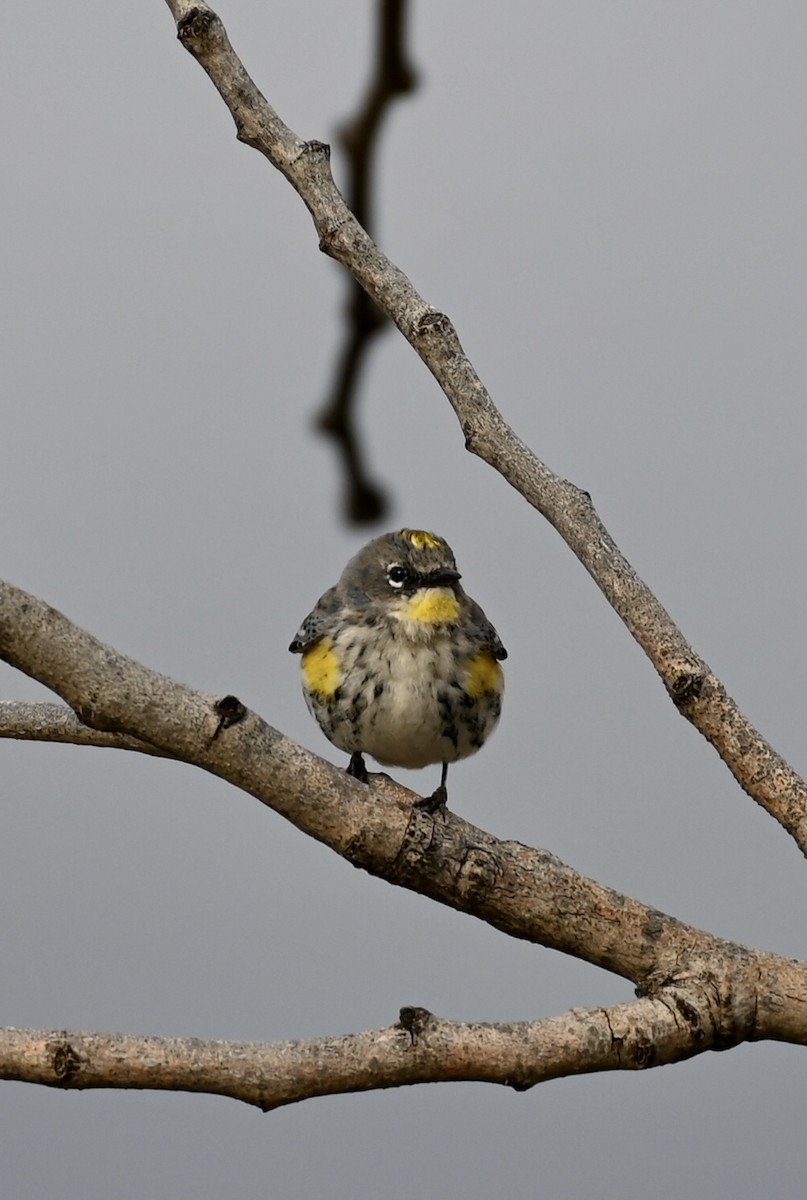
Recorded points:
(434,803)
(357,769)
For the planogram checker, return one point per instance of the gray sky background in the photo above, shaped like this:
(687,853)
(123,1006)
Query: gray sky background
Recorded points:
(608,201)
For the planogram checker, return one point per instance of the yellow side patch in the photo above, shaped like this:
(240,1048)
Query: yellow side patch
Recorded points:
(321,669)
(422,540)
(484,674)
(431,605)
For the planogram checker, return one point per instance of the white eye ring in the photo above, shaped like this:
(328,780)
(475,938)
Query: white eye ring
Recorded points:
(397,575)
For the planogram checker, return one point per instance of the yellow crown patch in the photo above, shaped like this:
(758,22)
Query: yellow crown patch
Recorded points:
(422,540)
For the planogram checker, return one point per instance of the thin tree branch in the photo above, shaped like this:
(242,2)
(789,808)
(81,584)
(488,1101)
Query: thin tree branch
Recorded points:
(55,723)
(420,1048)
(694,688)
(393,76)
(523,892)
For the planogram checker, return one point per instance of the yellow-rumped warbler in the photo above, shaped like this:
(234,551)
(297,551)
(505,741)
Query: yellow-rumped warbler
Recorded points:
(398,663)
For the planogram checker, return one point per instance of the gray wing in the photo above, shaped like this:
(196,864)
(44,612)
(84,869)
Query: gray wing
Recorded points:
(318,622)
(486,634)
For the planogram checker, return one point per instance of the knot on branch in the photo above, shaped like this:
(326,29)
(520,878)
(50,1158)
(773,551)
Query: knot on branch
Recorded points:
(315,149)
(328,239)
(431,324)
(414,1020)
(582,506)
(686,686)
(641,1053)
(64,1061)
(478,873)
(229,711)
(196,24)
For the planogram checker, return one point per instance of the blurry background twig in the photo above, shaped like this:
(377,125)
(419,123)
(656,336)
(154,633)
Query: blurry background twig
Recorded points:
(364,500)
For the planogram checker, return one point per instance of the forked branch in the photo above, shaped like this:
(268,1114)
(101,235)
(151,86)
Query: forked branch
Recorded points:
(695,992)
(731,994)
(692,685)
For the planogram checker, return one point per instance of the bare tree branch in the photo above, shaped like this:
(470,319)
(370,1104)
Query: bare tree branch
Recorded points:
(393,76)
(742,994)
(695,992)
(420,1048)
(695,690)
(54,723)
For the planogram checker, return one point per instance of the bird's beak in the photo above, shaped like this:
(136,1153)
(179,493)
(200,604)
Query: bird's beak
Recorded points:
(444,577)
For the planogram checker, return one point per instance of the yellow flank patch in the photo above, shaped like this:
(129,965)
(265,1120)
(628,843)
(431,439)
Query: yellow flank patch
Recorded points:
(422,540)
(484,674)
(431,605)
(321,669)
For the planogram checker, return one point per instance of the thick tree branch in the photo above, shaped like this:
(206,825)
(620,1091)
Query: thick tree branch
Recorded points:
(525,893)
(420,1048)
(694,688)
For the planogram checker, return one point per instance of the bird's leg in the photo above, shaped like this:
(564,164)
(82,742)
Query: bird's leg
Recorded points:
(356,767)
(438,798)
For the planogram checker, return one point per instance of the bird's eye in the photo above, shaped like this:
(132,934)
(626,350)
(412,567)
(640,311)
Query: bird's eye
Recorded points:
(397,575)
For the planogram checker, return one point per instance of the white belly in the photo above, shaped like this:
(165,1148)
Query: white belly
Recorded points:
(412,710)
